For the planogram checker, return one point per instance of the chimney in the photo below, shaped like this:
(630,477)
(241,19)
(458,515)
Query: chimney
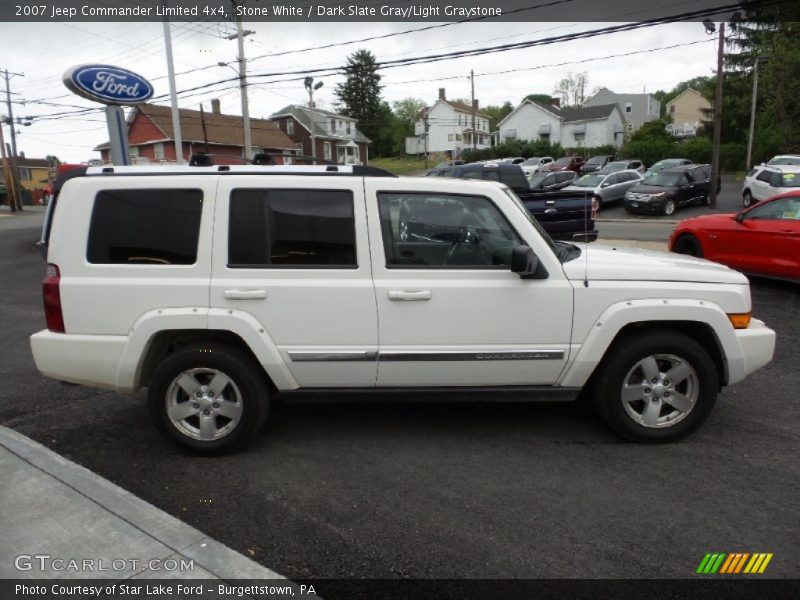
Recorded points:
(22,155)
(215,106)
(475,104)
(555,102)
(441,94)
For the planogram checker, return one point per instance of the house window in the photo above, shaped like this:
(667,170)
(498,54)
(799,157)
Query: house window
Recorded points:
(545,137)
(458,137)
(672,109)
(24,173)
(159,151)
(327,149)
(133,151)
(290,126)
(333,125)
(347,123)
(628,107)
(299,147)
(449,137)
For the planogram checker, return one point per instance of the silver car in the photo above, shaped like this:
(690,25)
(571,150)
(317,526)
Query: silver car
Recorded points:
(605,187)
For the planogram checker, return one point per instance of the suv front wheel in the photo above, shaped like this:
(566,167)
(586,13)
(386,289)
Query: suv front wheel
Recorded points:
(210,398)
(657,386)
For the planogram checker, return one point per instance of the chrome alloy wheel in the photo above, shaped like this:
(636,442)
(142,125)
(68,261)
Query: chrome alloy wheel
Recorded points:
(660,390)
(204,404)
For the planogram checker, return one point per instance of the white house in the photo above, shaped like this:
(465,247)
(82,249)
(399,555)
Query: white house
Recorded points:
(572,127)
(637,109)
(447,127)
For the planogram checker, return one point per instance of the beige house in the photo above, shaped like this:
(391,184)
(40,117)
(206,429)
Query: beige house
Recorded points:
(687,111)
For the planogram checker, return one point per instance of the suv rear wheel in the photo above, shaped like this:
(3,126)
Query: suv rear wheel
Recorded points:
(747,199)
(210,398)
(658,386)
(669,207)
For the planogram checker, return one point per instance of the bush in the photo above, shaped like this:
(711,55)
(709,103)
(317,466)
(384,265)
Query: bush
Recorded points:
(530,148)
(697,150)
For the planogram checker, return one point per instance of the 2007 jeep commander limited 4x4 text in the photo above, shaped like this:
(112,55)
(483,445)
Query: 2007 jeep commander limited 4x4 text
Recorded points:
(219,288)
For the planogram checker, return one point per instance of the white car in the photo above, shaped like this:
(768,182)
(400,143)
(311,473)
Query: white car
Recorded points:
(765,181)
(784,159)
(605,187)
(535,164)
(222,288)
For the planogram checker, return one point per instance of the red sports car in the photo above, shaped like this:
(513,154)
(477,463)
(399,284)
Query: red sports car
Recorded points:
(762,240)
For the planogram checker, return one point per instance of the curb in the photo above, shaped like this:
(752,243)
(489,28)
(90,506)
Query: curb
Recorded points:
(215,560)
(638,220)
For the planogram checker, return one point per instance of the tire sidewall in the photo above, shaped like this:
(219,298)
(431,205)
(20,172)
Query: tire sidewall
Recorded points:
(668,202)
(631,350)
(690,240)
(236,365)
(747,199)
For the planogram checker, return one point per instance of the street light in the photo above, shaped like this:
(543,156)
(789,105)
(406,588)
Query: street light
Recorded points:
(311,87)
(759,59)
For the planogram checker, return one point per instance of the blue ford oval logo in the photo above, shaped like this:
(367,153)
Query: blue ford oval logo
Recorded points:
(107,84)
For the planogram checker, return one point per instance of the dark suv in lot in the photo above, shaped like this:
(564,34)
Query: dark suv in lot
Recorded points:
(661,193)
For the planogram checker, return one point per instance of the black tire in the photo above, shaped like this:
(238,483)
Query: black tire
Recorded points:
(669,207)
(247,393)
(630,351)
(747,199)
(688,244)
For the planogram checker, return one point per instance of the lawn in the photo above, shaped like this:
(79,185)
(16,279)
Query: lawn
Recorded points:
(403,165)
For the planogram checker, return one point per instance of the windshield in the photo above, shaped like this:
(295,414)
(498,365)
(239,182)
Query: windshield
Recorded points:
(536,179)
(785,160)
(596,160)
(618,165)
(588,181)
(533,160)
(662,179)
(563,162)
(533,221)
(666,164)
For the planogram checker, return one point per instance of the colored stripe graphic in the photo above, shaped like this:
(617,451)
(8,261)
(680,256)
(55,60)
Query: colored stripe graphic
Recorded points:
(734,563)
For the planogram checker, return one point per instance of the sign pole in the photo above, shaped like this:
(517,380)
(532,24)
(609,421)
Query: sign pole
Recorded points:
(117,135)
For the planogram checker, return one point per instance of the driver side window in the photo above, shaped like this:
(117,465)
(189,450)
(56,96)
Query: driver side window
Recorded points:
(429,230)
(783,209)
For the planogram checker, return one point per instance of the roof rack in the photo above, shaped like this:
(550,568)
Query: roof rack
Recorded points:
(327,170)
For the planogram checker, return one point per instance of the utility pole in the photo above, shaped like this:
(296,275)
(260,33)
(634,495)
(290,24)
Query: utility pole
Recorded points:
(312,87)
(472,85)
(16,198)
(427,134)
(176,119)
(717,119)
(7,175)
(753,109)
(239,36)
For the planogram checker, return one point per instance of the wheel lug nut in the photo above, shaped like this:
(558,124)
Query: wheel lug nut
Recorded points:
(196,405)
(647,390)
(655,380)
(666,382)
(206,412)
(215,405)
(666,394)
(198,395)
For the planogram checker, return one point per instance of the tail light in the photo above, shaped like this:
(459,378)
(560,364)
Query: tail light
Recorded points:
(595,207)
(52,299)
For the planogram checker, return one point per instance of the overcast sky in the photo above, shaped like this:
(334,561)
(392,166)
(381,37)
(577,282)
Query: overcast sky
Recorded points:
(44,51)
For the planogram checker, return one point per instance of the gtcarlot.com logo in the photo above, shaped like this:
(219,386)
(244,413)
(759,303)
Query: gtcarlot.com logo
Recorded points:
(734,563)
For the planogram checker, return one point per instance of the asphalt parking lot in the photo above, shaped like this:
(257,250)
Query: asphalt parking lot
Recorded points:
(443,490)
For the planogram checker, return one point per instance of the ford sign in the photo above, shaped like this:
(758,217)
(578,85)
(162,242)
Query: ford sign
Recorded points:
(107,84)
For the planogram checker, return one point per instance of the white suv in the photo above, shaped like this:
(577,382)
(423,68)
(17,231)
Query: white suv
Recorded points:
(221,288)
(766,181)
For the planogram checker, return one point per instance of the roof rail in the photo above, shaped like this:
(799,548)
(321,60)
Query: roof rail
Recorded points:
(324,170)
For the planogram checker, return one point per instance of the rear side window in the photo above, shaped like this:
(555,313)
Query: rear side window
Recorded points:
(291,229)
(145,226)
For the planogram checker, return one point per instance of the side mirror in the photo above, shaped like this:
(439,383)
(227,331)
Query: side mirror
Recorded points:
(526,264)
(605,184)
(740,217)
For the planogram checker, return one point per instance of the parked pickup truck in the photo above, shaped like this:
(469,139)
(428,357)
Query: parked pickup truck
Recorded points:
(565,216)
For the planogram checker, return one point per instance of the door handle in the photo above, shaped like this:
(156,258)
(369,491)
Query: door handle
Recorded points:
(245,294)
(551,210)
(410,295)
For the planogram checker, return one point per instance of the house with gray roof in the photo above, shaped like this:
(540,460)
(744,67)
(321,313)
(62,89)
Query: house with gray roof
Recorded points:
(637,109)
(337,136)
(572,127)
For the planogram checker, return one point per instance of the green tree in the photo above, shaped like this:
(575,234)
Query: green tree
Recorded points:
(545,98)
(406,112)
(497,113)
(359,96)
